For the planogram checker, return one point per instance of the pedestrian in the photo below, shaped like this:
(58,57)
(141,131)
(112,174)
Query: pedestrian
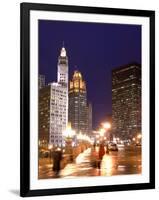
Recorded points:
(107,149)
(100,154)
(57,157)
(94,158)
(94,145)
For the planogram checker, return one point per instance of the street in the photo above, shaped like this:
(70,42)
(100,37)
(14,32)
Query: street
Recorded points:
(126,160)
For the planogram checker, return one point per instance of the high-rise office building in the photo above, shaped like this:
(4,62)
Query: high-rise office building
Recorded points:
(126,101)
(90,119)
(62,72)
(53,105)
(78,110)
(44,115)
(58,113)
(41,81)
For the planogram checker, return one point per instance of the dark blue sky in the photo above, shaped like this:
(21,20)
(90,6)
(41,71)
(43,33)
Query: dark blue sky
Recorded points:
(92,48)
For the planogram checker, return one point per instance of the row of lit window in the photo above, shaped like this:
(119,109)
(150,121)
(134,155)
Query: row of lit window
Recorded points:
(56,141)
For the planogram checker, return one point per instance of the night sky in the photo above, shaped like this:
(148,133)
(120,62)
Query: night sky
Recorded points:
(92,48)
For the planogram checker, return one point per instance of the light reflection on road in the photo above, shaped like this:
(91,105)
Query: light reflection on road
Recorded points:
(107,166)
(124,161)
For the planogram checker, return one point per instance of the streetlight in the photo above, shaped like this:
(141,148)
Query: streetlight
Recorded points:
(106,126)
(134,139)
(68,134)
(139,136)
(101,132)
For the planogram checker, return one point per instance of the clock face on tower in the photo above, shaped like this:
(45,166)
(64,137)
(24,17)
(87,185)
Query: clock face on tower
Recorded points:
(63,67)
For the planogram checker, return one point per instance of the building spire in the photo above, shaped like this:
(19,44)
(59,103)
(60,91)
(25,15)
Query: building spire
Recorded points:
(76,69)
(63,43)
(63,51)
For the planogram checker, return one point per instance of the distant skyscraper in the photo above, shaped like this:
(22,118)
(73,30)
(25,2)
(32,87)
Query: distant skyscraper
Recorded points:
(109,134)
(90,119)
(126,101)
(62,73)
(53,105)
(78,110)
(44,115)
(41,81)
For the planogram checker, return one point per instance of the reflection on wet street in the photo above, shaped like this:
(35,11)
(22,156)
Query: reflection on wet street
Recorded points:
(126,160)
(120,162)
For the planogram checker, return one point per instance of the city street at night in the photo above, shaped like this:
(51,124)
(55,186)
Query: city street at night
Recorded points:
(127,160)
(89,105)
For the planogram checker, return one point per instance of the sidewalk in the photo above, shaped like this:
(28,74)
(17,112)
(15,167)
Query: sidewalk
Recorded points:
(45,161)
(81,167)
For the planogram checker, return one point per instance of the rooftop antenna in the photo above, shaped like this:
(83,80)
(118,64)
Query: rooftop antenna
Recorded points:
(76,68)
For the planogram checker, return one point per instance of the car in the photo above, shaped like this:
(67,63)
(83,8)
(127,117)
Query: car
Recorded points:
(119,145)
(112,147)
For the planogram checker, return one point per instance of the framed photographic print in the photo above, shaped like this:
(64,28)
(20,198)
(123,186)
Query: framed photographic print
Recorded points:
(87,99)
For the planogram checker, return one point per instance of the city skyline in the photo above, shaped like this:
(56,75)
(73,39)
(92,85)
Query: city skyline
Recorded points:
(120,47)
(65,115)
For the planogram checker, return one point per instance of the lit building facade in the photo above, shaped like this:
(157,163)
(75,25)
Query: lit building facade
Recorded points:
(59,101)
(126,101)
(78,110)
(44,115)
(90,119)
(62,72)
(53,105)
(58,113)
(41,81)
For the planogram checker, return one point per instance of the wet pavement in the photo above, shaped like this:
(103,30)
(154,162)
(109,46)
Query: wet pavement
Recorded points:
(124,161)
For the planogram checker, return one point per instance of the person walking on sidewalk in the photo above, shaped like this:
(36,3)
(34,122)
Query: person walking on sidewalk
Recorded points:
(100,154)
(57,157)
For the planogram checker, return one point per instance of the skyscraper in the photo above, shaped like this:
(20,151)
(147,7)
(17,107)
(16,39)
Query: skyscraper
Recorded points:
(90,119)
(62,72)
(44,115)
(41,81)
(58,113)
(126,101)
(78,110)
(59,101)
(53,105)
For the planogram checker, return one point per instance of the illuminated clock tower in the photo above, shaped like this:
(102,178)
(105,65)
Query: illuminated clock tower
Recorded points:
(59,101)
(62,72)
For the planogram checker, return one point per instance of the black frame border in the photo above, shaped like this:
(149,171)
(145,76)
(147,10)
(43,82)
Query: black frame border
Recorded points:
(25,9)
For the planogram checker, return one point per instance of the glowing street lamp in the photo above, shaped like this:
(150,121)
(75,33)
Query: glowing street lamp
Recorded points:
(50,146)
(139,136)
(101,132)
(106,125)
(68,134)
(134,139)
